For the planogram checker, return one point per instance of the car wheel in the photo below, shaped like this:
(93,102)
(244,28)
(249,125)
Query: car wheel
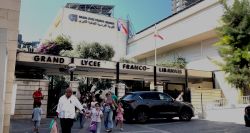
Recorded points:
(185,115)
(141,116)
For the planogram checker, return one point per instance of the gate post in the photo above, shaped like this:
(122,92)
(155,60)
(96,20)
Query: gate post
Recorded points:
(117,77)
(155,79)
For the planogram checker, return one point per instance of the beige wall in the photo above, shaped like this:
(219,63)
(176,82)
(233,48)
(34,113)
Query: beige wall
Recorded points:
(9,21)
(24,99)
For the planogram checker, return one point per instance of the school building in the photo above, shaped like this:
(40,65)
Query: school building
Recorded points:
(189,33)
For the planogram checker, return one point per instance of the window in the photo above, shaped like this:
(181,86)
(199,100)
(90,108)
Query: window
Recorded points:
(165,97)
(128,97)
(152,96)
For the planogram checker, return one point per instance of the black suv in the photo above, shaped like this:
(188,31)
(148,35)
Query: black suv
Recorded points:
(145,105)
(247,116)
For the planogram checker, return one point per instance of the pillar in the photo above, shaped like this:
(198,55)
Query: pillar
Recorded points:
(9,22)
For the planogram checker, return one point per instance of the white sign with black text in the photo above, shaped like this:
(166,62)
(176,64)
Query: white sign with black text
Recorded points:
(166,70)
(95,63)
(136,67)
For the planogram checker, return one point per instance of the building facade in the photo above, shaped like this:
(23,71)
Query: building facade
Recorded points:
(178,5)
(190,34)
(81,24)
(9,22)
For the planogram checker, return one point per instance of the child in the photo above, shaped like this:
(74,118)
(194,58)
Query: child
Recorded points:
(119,116)
(36,117)
(96,116)
(83,115)
(93,103)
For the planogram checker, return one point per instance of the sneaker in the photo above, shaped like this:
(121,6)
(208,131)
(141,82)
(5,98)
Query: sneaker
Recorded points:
(121,129)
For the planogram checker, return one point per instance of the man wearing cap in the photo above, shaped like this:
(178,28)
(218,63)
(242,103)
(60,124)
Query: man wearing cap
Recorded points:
(66,110)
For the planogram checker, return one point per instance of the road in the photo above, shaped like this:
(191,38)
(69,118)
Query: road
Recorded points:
(153,126)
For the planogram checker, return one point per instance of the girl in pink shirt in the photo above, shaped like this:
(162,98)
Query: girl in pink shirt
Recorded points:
(119,116)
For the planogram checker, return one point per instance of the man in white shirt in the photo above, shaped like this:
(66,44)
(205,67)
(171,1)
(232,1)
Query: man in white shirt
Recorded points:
(66,110)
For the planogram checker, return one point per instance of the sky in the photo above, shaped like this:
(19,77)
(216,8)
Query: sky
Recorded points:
(37,15)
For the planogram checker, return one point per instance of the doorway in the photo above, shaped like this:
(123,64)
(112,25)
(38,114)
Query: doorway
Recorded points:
(174,89)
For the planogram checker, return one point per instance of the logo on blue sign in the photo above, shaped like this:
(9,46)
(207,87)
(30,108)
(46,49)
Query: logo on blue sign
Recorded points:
(73,17)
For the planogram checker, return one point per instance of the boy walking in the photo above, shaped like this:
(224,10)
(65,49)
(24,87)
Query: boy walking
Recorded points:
(36,117)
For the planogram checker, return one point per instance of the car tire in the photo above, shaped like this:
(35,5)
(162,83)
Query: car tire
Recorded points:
(185,115)
(142,116)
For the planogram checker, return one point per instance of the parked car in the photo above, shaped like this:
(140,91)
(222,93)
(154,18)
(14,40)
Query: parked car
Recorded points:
(247,116)
(142,106)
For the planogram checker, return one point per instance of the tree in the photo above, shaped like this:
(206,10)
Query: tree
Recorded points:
(97,51)
(179,62)
(91,50)
(234,44)
(125,60)
(54,47)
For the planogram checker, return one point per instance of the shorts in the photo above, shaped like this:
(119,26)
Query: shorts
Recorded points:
(36,124)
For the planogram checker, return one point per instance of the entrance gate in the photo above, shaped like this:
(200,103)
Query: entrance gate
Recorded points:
(151,76)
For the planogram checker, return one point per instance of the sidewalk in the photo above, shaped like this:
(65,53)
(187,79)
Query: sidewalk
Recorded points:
(26,126)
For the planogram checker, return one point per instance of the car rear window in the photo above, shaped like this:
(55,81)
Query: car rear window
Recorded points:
(128,97)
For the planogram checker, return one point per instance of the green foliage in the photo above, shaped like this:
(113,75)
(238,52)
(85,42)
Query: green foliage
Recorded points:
(177,63)
(234,43)
(83,88)
(125,60)
(92,51)
(63,42)
(97,51)
(103,84)
(54,47)
(60,85)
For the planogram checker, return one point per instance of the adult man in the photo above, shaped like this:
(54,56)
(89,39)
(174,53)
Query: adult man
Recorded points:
(66,110)
(37,96)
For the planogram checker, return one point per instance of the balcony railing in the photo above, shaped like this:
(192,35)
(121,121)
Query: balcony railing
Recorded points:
(244,100)
(222,102)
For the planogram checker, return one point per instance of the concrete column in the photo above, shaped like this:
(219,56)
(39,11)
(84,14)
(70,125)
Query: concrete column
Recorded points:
(3,69)
(9,22)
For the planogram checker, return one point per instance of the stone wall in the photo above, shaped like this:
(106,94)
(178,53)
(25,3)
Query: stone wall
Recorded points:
(24,98)
(208,96)
(9,23)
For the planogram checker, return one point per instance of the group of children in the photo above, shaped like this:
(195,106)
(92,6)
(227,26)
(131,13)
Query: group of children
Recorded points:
(94,113)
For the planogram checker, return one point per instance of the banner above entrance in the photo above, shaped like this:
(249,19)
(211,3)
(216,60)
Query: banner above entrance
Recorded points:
(95,63)
(172,71)
(136,67)
(47,59)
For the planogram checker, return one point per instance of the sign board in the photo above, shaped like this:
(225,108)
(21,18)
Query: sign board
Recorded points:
(171,71)
(136,67)
(48,59)
(95,63)
(91,20)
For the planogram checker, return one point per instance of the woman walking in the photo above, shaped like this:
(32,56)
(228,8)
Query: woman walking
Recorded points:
(109,106)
